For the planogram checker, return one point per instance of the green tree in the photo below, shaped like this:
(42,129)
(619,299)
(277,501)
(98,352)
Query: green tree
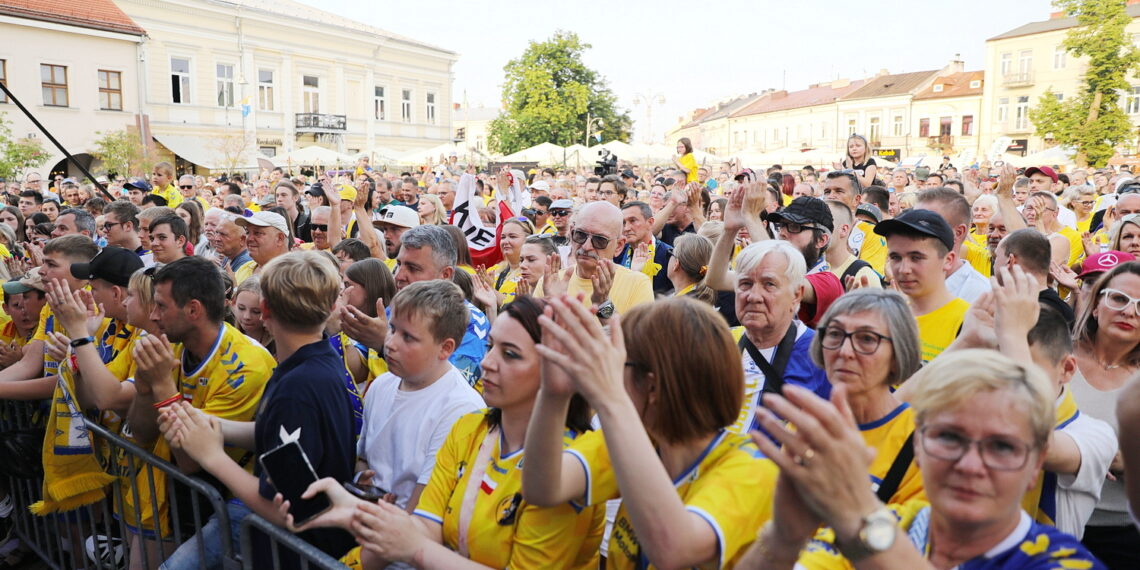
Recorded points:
(549,95)
(122,152)
(1093,121)
(18,155)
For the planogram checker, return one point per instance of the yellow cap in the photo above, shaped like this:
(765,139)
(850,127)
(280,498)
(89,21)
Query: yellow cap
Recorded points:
(347,192)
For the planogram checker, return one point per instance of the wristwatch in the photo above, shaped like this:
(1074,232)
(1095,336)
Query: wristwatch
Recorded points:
(605,310)
(876,534)
(82,341)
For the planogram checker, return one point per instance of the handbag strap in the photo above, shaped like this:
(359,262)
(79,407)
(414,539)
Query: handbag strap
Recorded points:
(773,371)
(895,474)
(471,491)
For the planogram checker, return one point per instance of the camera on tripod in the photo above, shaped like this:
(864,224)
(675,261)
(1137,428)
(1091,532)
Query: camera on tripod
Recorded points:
(607,165)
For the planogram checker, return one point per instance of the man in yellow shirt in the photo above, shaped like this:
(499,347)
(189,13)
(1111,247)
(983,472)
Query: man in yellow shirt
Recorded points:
(844,187)
(920,248)
(594,240)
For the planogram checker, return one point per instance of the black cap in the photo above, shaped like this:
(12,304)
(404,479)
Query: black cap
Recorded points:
(805,210)
(316,190)
(916,221)
(114,265)
(627,173)
(138,183)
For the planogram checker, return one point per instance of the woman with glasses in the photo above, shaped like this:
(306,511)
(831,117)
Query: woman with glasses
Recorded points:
(983,425)
(868,342)
(1082,201)
(1107,346)
(1125,235)
(692,493)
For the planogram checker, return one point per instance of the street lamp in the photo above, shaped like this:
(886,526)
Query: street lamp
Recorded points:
(648,101)
(590,122)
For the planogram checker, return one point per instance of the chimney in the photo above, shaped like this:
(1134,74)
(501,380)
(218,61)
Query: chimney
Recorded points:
(956,65)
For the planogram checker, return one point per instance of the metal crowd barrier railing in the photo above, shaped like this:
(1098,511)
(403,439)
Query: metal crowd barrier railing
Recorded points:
(282,544)
(151,508)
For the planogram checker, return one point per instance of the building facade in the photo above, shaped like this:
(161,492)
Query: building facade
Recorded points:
(264,77)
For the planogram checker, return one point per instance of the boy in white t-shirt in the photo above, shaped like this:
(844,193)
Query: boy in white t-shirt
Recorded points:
(409,411)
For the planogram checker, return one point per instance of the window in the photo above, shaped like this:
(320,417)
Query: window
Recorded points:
(110,90)
(1132,101)
(1059,96)
(1003,110)
(850,127)
(1006,63)
(225,85)
(265,89)
(311,86)
(924,127)
(1059,57)
(1021,115)
(967,125)
(897,126)
(938,88)
(269,151)
(54,79)
(180,81)
(431,108)
(976,84)
(3,79)
(1025,62)
(874,130)
(406,106)
(380,104)
(944,125)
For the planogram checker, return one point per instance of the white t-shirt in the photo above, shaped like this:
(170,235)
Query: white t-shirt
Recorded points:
(1077,494)
(967,283)
(403,430)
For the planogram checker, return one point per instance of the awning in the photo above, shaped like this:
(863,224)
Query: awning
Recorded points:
(207,152)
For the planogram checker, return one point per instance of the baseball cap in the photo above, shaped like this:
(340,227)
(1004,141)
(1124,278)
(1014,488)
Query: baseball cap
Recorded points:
(1100,262)
(402,216)
(315,190)
(346,192)
(267,200)
(871,210)
(562,204)
(805,210)
(114,265)
(1052,174)
(26,282)
(627,173)
(265,220)
(540,185)
(924,222)
(140,183)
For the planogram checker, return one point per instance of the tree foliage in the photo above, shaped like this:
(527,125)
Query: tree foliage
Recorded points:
(549,95)
(1093,121)
(122,153)
(18,155)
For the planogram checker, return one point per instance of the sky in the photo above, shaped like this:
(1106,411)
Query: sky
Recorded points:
(693,54)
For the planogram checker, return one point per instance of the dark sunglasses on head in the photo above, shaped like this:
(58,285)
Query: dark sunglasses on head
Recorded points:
(319,227)
(599,242)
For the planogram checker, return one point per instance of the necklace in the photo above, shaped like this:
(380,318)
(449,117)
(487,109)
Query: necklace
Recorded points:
(1107,366)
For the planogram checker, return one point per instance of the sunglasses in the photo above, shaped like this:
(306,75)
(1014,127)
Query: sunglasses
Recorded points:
(559,213)
(319,227)
(186,187)
(599,242)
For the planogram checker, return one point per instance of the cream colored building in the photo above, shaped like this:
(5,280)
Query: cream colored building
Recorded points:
(277,75)
(949,114)
(882,111)
(780,120)
(74,68)
(471,128)
(1025,62)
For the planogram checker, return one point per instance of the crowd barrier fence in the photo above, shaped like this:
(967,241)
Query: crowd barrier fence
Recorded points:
(283,543)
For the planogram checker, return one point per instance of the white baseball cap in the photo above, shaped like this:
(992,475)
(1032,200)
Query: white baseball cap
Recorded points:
(402,216)
(265,220)
(540,185)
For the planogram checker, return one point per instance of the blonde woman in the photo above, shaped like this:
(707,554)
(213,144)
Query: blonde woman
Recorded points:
(431,210)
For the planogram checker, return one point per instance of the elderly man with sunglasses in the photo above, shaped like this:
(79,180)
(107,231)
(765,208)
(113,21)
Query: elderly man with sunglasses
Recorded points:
(595,239)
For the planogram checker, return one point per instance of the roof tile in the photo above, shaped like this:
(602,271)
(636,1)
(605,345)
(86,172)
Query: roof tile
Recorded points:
(95,14)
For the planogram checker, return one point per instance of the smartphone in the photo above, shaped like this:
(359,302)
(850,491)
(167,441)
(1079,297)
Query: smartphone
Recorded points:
(291,473)
(367,492)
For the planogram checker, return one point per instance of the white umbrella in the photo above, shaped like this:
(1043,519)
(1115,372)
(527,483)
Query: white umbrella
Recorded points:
(313,155)
(543,153)
(1057,155)
(428,156)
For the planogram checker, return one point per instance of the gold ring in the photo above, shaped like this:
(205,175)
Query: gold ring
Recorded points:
(809,454)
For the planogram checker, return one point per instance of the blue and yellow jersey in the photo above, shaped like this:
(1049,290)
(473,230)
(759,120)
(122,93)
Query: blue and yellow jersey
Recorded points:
(729,486)
(871,247)
(505,531)
(888,435)
(506,279)
(171,193)
(1041,546)
(244,272)
(938,328)
(1041,501)
(47,325)
(8,334)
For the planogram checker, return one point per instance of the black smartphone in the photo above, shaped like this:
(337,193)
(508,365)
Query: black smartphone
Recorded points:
(367,492)
(291,473)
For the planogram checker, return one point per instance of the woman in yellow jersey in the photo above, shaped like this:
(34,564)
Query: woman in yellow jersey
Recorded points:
(868,342)
(983,425)
(983,209)
(685,161)
(472,508)
(505,275)
(1082,205)
(688,266)
(692,494)
(1125,235)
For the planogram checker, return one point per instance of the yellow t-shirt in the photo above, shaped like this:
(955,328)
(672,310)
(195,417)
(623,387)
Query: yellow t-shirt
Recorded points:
(938,328)
(505,531)
(887,436)
(1083,225)
(8,333)
(730,487)
(630,288)
(872,246)
(978,256)
(391,262)
(171,193)
(1076,248)
(509,282)
(244,272)
(690,163)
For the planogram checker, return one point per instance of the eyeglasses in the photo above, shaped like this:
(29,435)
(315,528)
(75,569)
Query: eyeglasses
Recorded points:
(606,192)
(319,227)
(540,212)
(186,187)
(108,225)
(862,342)
(560,213)
(1118,300)
(998,452)
(599,242)
(794,228)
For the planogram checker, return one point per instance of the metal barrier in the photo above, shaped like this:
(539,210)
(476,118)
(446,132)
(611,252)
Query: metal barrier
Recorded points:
(285,548)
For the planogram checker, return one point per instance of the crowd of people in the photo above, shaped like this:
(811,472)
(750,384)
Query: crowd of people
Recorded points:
(703,365)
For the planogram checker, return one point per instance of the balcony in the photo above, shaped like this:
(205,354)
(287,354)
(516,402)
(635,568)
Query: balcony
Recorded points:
(1017,79)
(941,141)
(318,123)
